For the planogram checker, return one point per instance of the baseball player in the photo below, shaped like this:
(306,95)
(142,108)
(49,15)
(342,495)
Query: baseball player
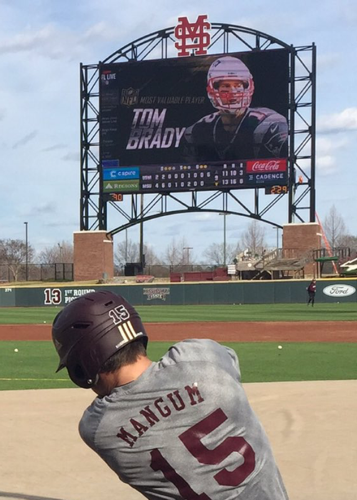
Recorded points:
(235,131)
(311,291)
(179,428)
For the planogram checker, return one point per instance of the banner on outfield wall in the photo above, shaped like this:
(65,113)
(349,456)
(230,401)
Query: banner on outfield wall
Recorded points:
(339,290)
(200,293)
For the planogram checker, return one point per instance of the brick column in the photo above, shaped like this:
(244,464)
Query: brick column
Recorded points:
(93,255)
(299,240)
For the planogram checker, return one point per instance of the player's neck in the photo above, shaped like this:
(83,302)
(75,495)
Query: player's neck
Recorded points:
(231,121)
(126,374)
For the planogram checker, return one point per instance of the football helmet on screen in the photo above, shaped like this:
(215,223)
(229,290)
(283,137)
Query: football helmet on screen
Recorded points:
(230,85)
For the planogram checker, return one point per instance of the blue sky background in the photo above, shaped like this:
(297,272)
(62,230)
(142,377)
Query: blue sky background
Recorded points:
(42,44)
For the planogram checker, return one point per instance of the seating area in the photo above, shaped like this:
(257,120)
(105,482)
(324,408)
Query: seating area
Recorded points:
(219,274)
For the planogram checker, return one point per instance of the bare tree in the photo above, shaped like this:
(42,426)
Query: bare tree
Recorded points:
(179,253)
(151,259)
(253,239)
(13,254)
(348,241)
(334,227)
(215,253)
(61,253)
(126,251)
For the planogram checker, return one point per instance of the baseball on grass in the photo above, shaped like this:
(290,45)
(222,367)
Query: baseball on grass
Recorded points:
(16,350)
(280,346)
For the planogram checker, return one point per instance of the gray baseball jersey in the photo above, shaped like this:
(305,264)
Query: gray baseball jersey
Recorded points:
(185,430)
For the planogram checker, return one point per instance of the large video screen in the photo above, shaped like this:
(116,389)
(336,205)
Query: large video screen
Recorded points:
(212,122)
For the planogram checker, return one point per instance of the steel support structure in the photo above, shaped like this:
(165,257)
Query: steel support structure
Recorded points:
(225,38)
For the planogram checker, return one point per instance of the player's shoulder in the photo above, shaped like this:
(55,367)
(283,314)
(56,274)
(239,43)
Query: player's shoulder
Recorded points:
(262,114)
(203,124)
(197,350)
(208,118)
(90,421)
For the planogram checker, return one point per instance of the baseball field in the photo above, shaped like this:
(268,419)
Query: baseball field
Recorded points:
(298,368)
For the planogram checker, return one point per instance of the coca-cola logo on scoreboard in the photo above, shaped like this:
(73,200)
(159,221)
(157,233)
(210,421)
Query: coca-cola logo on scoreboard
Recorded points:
(258,166)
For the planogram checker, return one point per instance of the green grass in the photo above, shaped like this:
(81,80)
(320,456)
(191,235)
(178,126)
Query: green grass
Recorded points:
(34,365)
(27,315)
(333,311)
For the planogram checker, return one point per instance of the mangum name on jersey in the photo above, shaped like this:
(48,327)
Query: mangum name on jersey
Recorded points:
(158,410)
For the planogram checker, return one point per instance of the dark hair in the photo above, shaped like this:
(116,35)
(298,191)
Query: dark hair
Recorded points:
(125,356)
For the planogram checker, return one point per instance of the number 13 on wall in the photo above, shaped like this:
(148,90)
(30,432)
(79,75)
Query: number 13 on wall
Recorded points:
(192,441)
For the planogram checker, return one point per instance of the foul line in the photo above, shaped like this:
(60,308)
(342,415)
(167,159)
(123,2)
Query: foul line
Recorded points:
(34,379)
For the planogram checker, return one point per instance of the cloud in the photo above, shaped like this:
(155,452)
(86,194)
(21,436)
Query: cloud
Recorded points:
(327,61)
(43,209)
(326,153)
(344,121)
(348,12)
(67,223)
(71,157)
(173,230)
(26,139)
(326,164)
(27,41)
(55,147)
(199,217)
(55,42)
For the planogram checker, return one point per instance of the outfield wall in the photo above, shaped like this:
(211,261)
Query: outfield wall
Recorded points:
(234,292)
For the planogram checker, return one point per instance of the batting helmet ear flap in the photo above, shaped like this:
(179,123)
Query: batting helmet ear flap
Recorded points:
(80,377)
(78,372)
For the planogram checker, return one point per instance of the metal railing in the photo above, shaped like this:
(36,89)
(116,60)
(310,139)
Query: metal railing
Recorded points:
(164,270)
(36,272)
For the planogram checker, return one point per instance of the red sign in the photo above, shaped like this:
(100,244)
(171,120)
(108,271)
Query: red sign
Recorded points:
(259,166)
(192,36)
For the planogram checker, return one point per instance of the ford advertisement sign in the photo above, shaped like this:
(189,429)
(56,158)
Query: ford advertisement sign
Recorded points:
(339,290)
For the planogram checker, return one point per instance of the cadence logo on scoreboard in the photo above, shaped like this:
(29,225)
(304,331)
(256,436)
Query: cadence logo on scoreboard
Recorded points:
(258,166)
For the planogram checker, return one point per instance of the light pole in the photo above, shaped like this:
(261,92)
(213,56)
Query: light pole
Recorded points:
(60,252)
(224,237)
(141,250)
(277,239)
(188,254)
(27,250)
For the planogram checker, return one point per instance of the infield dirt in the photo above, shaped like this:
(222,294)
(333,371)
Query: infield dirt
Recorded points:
(298,331)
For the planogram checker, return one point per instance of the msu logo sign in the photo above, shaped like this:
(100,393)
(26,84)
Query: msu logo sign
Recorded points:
(192,36)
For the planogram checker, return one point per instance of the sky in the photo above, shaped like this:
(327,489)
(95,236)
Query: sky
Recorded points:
(42,44)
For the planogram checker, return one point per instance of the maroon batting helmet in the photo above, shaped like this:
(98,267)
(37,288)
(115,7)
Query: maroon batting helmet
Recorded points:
(90,329)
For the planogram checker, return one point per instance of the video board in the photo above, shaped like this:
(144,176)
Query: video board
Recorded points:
(195,123)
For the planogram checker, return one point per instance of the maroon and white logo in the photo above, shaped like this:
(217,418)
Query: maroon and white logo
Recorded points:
(258,166)
(192,36)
